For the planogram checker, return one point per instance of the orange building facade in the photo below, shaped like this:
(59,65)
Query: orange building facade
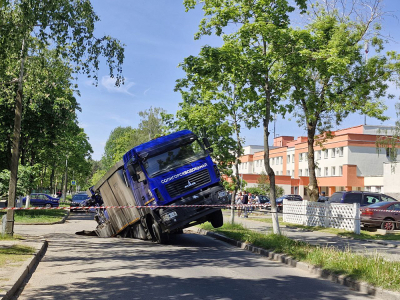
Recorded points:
(348,160)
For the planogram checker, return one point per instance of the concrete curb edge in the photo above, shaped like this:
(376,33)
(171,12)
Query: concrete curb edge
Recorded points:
(359,286)
(23,272)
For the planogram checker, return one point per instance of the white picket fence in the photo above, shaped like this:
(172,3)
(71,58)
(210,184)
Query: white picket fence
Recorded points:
(334,215)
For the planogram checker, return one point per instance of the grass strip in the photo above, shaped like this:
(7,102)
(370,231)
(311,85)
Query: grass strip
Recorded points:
(37,216)
(372,269)
(364,234)
(14,254)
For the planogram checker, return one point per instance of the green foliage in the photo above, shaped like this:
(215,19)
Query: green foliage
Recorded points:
(264,186)
(255,190)
(329,76)
(43,44)
(122,139)
(24,185)
(390,142)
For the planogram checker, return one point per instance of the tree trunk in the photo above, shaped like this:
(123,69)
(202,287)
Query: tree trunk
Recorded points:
(66,180)
(271,175)
(52,177)
(312,188)
(12,188)
(238,183)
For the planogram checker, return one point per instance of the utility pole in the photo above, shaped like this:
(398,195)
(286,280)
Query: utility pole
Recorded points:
(65,185)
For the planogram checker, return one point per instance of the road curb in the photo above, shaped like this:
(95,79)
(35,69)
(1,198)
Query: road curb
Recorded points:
(22,273)
(356,285)
(58,222)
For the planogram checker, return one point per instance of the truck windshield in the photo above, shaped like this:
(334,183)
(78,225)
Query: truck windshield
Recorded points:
(174,158)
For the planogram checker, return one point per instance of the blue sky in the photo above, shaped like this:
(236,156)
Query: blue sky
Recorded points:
(158,35)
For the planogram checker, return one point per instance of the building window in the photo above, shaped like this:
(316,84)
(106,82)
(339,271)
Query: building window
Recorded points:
(292,157)
(281,161)
(306,172)
(288,172)
(378,189)
(272,161)
(340,170)
(326,153)
(300,172)
(318,154)
(326,171)
(288,159)
(333,153)
(333,171)
(301,157)
(340,151)
(319,172)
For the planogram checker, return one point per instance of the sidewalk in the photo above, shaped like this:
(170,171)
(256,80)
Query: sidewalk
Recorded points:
(391,251)
(13,275)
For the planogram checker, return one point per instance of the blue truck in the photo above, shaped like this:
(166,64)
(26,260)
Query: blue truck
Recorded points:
(173,184)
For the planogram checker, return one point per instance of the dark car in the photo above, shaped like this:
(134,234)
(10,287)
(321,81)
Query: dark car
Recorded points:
(263,199)
(291,197)
(40,199)
(361,197)
(79,199)
(385,215)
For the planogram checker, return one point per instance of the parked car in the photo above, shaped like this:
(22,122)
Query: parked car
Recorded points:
(291,197)
(385,215)
(41,199)
(263,199)
(79,199)
(361,197)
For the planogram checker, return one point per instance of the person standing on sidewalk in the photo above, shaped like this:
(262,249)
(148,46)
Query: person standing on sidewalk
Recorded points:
(239,204)
(245,201)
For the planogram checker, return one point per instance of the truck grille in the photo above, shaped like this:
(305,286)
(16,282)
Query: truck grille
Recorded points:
(181,186)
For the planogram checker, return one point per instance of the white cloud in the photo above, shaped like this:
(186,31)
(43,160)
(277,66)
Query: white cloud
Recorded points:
(109,84)
(119,119)
(145,92)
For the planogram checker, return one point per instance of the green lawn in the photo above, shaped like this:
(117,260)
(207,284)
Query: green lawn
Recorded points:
(37,216)
(364,235)
(13,256)
(374,270)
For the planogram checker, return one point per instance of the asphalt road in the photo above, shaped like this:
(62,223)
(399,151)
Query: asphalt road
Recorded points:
(190,267)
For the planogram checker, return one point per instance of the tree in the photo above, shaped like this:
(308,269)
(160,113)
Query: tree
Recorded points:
(211,93)
(151,123)
(330,77)
(258,23)
(69,27)
(122,139)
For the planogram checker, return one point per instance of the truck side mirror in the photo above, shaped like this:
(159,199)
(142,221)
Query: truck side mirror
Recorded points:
(206,143)
(132,172)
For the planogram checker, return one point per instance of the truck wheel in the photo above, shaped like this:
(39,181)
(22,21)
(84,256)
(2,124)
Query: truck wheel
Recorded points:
(161,237)
(216,219)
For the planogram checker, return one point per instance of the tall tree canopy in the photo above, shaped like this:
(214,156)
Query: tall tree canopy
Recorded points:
(252,27)
(27,29)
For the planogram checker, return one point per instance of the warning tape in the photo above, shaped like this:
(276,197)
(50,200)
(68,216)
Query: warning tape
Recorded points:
(135,206)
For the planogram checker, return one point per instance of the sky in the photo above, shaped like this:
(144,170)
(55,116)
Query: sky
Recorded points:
(158,35)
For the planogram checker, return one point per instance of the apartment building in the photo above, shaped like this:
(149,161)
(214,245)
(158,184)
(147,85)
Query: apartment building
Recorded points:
(348,160)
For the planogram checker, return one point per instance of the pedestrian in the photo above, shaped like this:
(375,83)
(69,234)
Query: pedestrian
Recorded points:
(322,197)
(256,201)
(239,204)
(245,201)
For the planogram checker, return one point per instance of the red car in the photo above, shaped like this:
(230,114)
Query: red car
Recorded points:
(385,215)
